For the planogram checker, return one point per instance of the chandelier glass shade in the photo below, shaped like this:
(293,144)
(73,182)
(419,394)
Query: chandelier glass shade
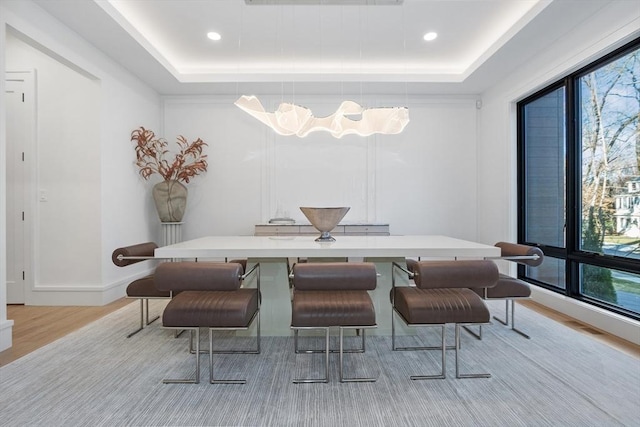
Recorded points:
(350,118)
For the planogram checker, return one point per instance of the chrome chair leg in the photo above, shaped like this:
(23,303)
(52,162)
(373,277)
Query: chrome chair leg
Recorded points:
(443,347)
(458,374)
(252,351)
(326,361)
(478,335)
(146,300)
(141,320)
(195,380)
(393,337)
(341,351)
(191,349)
(513,321)
(211,379)
(350,350)
(506,314)
(144,313)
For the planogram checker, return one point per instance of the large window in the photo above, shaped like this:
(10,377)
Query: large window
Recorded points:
(579,182)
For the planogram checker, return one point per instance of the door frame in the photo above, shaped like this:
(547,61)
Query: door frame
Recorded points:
(29,170)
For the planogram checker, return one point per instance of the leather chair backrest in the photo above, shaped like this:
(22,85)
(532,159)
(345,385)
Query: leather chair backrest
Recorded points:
(334,276)
(456,274)
(242,262)
(516,249)
(139,250)
(198,276)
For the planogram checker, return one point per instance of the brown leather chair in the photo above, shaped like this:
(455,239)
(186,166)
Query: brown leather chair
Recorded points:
(440,297)
(243,263)
(510,288)
(210,296)
(144,288)
(333,294)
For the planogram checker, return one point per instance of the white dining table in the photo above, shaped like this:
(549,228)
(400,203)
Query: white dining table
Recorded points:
(276,254)
(344,246)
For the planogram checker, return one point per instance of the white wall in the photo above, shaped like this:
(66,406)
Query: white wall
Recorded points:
(6,326)
(497,192)
(422,181)
(113,203)
(68,172)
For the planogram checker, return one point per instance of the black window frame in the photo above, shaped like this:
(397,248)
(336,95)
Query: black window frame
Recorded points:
(571,254)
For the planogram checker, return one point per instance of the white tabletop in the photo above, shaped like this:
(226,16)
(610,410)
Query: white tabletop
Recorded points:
(344,246)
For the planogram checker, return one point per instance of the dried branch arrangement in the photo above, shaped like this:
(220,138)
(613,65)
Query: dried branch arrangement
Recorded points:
(151,153)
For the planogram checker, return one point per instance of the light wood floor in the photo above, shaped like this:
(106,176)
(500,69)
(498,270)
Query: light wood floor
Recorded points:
(604,337)
(36,326)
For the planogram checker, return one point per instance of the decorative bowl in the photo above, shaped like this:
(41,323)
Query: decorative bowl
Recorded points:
(324,220)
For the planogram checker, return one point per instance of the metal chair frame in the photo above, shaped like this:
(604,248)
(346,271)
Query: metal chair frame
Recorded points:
(144,313)
(507,300)
(198,352)
(326,352)
(442,347)
(513,318)
(144,301)
(506,316)
(351,350)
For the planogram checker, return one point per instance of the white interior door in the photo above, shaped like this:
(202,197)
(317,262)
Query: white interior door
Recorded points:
(20,102)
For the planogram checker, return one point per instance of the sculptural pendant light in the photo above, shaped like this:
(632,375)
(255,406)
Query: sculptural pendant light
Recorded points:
(349,118)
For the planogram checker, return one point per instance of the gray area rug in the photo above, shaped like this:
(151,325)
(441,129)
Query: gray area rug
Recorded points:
(97,377)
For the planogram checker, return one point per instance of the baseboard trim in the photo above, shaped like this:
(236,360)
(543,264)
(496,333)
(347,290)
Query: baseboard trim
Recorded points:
(6,334)
(615,324)
(90,295)
(68,295)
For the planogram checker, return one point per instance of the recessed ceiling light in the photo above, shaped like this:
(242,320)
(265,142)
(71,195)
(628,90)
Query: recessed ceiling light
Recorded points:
(430,36)
(214,36)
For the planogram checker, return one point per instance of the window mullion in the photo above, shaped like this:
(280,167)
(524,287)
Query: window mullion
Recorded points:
(574,210)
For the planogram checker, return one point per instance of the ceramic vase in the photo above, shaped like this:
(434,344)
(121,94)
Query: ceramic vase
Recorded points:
(170,198)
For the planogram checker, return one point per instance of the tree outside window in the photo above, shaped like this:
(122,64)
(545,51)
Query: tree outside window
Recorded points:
(609,100)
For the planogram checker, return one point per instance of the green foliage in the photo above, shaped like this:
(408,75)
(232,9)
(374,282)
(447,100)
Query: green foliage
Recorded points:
(596,282)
